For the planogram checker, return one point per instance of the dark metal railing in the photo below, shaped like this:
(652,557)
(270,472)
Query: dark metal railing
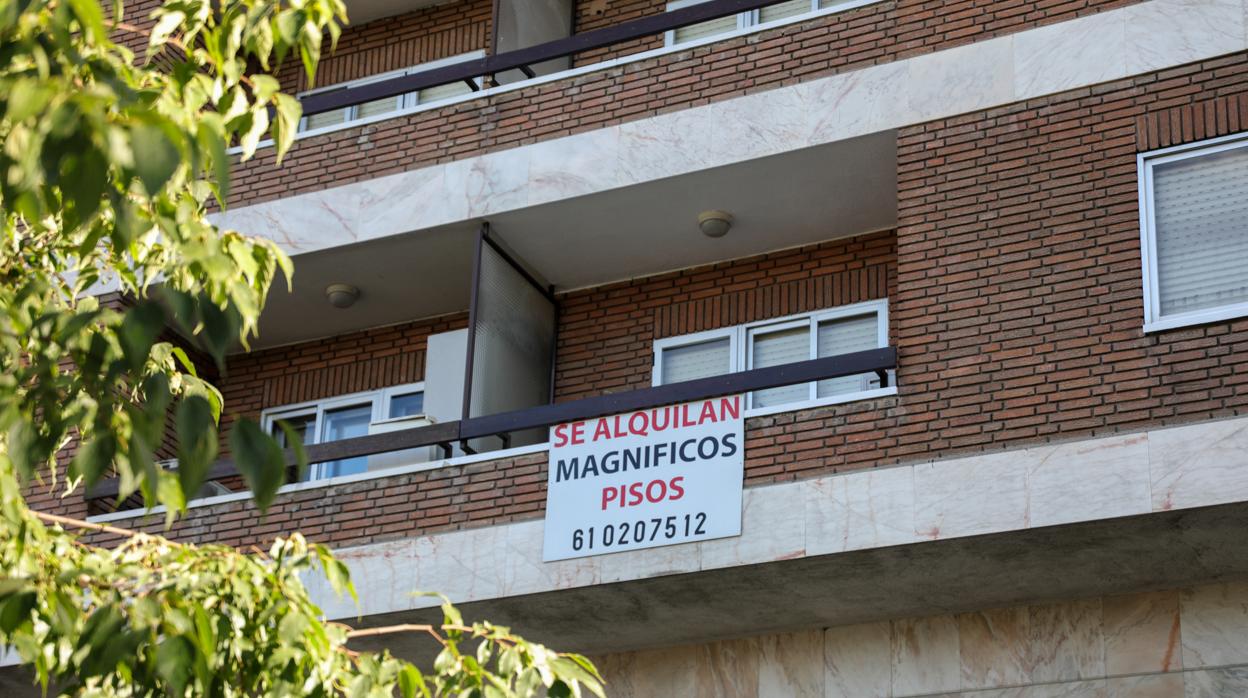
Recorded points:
(878,361)
(521,59)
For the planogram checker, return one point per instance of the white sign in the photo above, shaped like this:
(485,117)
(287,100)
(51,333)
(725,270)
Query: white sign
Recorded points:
(647,478)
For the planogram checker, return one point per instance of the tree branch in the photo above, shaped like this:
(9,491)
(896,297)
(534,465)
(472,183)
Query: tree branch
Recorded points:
(78,523)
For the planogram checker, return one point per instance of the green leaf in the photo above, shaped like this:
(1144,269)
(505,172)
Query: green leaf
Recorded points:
(411,683)
(259,459)
(294,441)
(286,124)
(26,98)
(15,610)
(138,332)
(197,442)
(155,156)
(93,459)
(173,662)
(91,18)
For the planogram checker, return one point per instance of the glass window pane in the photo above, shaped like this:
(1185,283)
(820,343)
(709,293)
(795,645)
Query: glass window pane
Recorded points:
(776,349)
(327,118)
(693,361)
(378,106)
(792,8)
(346,423)
(844,336)
(1201,218)
(302,424)
(712,27)
(441,92)
(406,405)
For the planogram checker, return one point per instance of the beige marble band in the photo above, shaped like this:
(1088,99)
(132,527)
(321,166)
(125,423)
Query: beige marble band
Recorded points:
(1085,51)
(1155,471)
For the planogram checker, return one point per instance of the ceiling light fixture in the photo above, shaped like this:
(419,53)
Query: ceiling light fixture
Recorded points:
(714,224)
(342,295)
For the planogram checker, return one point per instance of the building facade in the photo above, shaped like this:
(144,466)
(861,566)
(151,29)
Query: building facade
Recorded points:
(983,293)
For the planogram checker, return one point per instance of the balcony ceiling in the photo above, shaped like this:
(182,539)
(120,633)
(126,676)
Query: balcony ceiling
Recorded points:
(796,198)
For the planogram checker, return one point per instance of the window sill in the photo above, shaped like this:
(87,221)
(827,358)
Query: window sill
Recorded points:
(1200,317)
(821,402)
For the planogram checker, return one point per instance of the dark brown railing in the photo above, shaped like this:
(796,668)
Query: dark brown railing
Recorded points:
(878,361)
(520,59)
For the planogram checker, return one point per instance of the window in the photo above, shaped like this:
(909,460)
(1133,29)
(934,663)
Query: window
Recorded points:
(343,417)
(831,332)
(1194,233)
(378,107)
(743,20)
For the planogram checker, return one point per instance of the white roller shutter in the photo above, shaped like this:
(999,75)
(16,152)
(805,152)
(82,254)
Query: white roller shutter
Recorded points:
(844,336)
(326,118)
(792,8)
(1200,208)
(692,361)
(702,30)
(776,348)
(441,92)
(378,106)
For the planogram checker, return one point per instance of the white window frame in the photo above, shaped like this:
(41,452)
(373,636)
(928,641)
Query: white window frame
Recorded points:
(740,349)
(1145,162)
(378,399)
(406,100)
(750,19)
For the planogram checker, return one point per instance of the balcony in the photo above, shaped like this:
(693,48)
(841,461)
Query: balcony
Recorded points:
(497,430)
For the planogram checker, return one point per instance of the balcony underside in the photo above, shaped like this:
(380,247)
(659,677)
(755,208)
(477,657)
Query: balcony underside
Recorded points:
(1148,552)
(787,200)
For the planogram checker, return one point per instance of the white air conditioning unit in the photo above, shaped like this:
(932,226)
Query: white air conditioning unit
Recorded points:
(394,459)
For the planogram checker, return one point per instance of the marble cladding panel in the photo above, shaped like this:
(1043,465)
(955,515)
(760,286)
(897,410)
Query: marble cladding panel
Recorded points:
(1090,648)
(857,661)
(1163,33)
(1188,466)
(780,534)
(1216,683)
(994,647)
(995,483)
(1215,625)
(861,510)
(1105,46)
(1092,49)
(1199,465)
(1151,686)
(792,665)
(1065,641)
(925,655)
(1141,633)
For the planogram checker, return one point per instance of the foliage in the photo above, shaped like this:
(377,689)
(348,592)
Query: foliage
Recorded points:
(107,168)
(152,617)
(109,163)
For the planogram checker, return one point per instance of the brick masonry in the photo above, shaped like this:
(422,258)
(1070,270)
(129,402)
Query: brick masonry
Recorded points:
(1015,304)
(876,33)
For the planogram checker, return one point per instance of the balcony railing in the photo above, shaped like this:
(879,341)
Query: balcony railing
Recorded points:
(471,72)
(878,361)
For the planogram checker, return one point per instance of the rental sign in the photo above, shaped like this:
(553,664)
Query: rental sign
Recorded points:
(644,479)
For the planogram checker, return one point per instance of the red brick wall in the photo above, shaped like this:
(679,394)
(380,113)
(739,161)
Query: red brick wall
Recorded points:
(398,42)
(855,38)
(340,365)
(1016,312)
(606,335)
(1020,305)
